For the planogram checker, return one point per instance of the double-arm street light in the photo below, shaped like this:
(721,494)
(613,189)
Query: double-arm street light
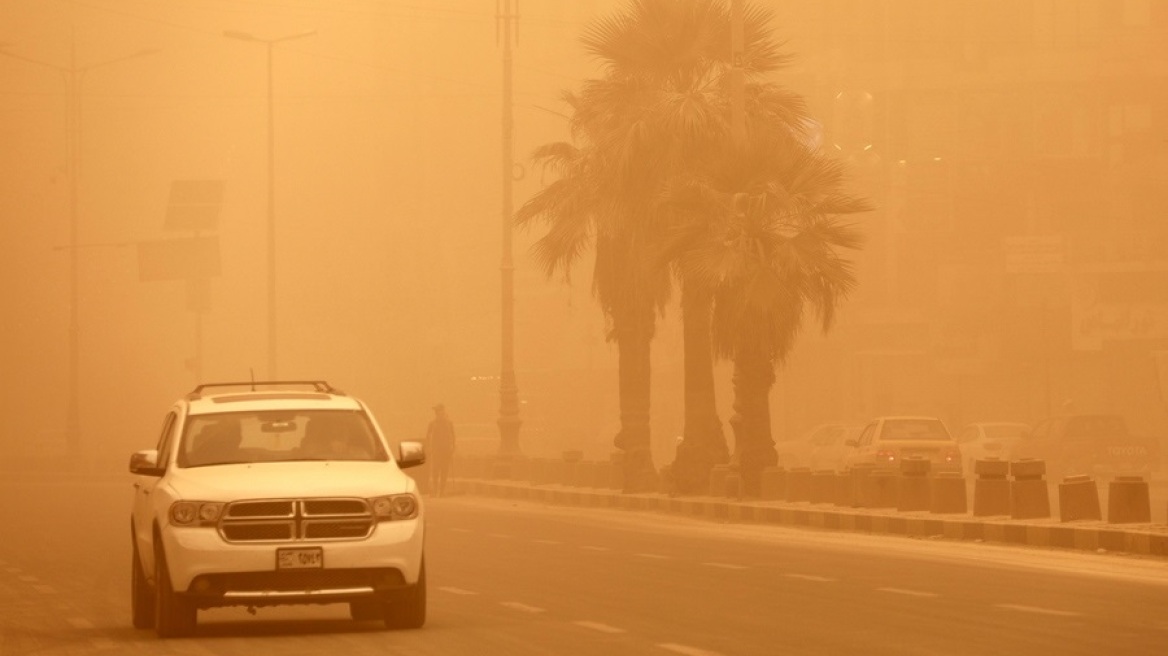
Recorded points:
(74,75)
(270,43)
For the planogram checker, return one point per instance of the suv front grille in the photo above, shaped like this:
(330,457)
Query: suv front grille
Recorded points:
(287,520)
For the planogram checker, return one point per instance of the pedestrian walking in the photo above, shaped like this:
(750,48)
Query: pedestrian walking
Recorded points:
(440,441)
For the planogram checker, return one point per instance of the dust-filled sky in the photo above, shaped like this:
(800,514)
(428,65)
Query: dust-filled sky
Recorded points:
(388,212)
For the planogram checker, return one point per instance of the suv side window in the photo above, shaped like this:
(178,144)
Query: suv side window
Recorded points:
(166,439)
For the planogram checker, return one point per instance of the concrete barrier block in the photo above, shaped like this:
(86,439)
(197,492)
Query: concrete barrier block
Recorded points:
(991,496)
(1029,499)
(947,493)
(1128,501)
(1078,499)
(798,484)
(772,483)
(991,468)
(862,489)
(718,480)
(914,492)
(733,487)
(822,486)
(845,491)
(884,489)
(1028,468)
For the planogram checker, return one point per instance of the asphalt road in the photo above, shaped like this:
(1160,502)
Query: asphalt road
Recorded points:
(517,578)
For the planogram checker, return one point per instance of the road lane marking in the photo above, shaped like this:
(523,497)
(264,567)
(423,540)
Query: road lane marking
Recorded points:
(457,591)
(911,593)
(652,556)
(499,535)
(523,607)
(686,650)
(725,565)
(1039,610)
(44,589)
(548,542)
(27,578)
(809,577)
(597,626)
(79,623)
(591,548)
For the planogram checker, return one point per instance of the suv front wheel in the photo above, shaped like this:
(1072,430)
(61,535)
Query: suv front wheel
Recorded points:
(141,596)
(410,611)
(173,615)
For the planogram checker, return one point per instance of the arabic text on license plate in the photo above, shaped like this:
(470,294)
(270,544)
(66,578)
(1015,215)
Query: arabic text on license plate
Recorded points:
(299,558)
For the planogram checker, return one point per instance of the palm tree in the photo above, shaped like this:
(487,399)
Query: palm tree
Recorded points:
(660,108)
(768,248)
(593,203)
(669,61)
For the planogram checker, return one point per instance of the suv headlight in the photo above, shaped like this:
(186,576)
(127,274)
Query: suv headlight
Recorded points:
(394,507)
(195,513)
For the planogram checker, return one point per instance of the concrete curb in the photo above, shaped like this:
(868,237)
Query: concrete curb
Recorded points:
(1083,535)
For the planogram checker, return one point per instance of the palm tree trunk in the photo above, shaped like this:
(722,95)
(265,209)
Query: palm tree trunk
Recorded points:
(703,443)
(633,335)
(754,448)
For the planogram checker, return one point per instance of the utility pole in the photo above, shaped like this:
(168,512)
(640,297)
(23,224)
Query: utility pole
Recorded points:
(271,224)
(74,75)
(509,420)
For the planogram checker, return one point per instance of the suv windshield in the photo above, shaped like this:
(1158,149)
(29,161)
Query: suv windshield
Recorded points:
(278,436)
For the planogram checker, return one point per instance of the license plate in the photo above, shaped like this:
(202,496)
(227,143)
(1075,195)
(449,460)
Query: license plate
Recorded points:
(304,558)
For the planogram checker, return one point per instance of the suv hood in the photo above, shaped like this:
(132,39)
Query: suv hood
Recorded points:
(273,480)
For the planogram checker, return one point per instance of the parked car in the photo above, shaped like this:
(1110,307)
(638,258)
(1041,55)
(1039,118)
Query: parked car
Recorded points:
(821,447)
(887,440)
(1094,444)
(265,496)
(989,439)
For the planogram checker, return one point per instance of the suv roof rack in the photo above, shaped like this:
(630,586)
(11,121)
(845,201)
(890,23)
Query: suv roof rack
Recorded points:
(317,385)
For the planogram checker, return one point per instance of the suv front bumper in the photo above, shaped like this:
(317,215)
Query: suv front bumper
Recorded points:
(219,573)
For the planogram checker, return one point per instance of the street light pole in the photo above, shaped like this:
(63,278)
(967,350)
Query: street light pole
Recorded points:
(271,223)
(509,420)
(73,77)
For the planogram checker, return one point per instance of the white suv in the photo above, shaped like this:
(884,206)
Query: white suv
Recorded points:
(270,493)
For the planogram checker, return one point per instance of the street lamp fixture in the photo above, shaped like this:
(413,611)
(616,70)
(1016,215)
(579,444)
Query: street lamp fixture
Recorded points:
(74,74)
(270,43)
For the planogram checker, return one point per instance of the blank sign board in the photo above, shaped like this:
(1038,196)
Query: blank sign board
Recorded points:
(194,205)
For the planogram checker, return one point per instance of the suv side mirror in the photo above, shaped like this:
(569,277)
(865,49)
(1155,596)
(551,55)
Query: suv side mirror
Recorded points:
(145,463)
(411,454)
